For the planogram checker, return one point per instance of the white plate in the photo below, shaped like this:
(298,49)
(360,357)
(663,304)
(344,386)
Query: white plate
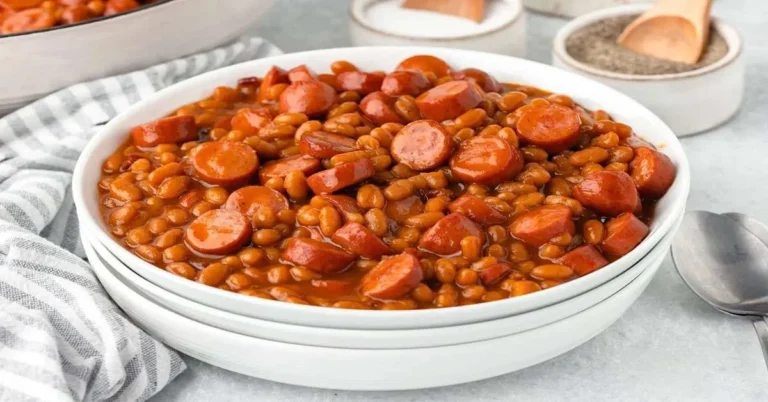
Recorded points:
(373,339)
(365,369)
(585,91)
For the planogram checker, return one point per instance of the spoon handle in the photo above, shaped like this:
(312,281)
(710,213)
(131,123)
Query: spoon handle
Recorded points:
(761,327)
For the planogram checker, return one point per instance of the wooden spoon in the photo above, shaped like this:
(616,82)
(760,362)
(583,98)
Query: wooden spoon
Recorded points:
(471,9)
(675,30)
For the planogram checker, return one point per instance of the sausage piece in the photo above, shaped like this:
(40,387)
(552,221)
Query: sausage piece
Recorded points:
(448,101)
(363,83)
(553,127)
(319,144)
(218,232)
(341,176)
(399,211)
(324,258)
(312,98)
(393,278)
(380,108)
(607,192)
(224,162)
(444,238)
(422,145)
(538,226)
(399,83)
(168,130)
(494,273)
(248,200)
(425,64)
(624,233)
(281,167)
(274,76)
(652,171)
(583,260)
(484,80)
(360,240)
(301,73)
(486,160)
(249,121)
(477,209)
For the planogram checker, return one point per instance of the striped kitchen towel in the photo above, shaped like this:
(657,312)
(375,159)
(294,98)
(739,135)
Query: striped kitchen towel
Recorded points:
(61,337)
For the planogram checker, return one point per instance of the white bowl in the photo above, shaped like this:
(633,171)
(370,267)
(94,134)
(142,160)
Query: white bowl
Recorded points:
(44,61)
(570,8)
(371,339)
(689,102)
(585,91)
(369,369)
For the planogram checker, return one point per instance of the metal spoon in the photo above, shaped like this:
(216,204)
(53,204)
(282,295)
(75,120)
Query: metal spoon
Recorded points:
(726,265)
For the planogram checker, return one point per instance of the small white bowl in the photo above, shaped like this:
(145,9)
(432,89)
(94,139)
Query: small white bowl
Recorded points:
(369,369)
(506,69)
(504,34)
(689,102)
(370,339)
(40,62)
(570,8)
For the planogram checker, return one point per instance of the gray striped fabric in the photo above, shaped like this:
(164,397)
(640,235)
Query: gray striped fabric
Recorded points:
(61,337)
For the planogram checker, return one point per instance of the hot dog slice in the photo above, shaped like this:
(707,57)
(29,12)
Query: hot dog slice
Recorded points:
(248,200)
(537,227)
(319,144)
(607,192)
(425,64)
(393,278)
(422,145)
(341,176)
(448,101)
(317,256)
(552,127)
(624,233)
(281,167)
(652,171)
(312,98)
(218,232)
(399,83)
(380,108)
(274,76)
(168,130)
(494,273)
(301,73)
(583,260)
(250,121)
(224,162)
(360,240)
(477,209)
(486,160)
(363,83)
(444,238)
(484,80)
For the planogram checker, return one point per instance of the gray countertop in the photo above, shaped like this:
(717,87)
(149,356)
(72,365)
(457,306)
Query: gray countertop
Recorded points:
(669,345)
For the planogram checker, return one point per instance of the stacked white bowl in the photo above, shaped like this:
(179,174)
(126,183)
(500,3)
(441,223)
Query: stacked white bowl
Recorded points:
(375,350)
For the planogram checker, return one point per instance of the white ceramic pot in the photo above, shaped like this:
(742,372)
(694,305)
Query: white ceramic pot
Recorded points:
(587,92)
(39,62)
(690,102)
(571,8)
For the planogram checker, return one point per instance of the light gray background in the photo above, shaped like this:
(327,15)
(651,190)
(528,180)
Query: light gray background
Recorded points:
(669,346)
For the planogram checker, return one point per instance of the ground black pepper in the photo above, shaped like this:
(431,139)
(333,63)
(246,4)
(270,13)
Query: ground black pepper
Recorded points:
(596,46)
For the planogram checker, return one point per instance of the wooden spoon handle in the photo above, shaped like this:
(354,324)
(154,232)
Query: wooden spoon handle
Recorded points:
(694,10)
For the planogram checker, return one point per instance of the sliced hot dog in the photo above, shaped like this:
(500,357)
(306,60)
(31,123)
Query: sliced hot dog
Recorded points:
(250,121)
(360,240)
(274,76)
(494,273)
(484,80)
(363,83)
(393,278)
(224,162)
(477,209)
(399,83)
(425,64)
(312,98)
(652,171)
(537,227)
(448,101)
(317,256)
(486,160)
(248,200)
(319,144)
(444,238)
(344,204)
(552,127)
(422,145)
(607,192)
(218,232)
(281,167)
(168,130)
(301,73)
(583,260)
(399,211)
(624,233)
(380,108)
(341,176)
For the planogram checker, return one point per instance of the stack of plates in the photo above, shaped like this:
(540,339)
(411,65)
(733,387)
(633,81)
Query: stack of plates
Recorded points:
(375,350)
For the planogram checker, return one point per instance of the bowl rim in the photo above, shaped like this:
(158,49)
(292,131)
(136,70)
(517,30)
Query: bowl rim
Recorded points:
(729,33)
(355,12)
(205,81)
